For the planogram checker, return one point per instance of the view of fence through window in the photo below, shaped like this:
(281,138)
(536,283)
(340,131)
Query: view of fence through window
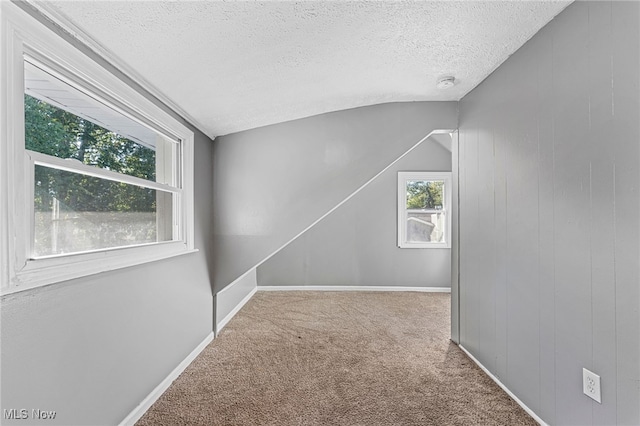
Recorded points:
(73,211)
(425,215)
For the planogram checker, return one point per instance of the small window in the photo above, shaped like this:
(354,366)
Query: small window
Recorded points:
(424,205)
(98,177)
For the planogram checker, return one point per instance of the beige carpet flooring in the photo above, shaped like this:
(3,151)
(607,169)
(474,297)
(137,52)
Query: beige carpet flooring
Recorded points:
(336,358)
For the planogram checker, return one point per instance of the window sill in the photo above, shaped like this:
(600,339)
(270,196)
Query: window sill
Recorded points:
(425,246)
(52,270)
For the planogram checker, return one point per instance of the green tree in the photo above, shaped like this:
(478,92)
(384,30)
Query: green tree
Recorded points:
(56,132)
(424,194)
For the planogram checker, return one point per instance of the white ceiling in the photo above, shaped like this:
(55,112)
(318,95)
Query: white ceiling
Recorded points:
(232,66)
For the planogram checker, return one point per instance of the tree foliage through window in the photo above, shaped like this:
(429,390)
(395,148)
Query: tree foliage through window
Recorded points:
(53,131)
(424,194)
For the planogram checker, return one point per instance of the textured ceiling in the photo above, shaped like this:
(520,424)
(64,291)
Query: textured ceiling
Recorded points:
(232,66)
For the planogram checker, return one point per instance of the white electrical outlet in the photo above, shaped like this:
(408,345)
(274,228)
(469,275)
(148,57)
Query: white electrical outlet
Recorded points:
(591,385)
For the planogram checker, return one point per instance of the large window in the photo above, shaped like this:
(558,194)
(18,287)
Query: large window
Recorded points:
(424,209)
(94,175)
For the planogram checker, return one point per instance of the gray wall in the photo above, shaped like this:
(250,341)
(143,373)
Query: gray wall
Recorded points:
(273,182)
(549,217)
(93,348)
(357,243)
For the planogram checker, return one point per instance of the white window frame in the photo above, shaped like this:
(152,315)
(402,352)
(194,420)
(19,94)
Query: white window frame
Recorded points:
(403,178)
(20,35)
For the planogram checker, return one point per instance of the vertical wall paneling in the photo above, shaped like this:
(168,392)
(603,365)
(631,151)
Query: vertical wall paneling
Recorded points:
(500,248)
(522,237)
(624,140)
(486,256)
(546,227)
(472,245)
(462,248)
(601,207)
(455,241)
(572,236)
(563,115)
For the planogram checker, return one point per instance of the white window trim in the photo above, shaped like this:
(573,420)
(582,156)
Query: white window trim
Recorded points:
(403,177)
(20,34)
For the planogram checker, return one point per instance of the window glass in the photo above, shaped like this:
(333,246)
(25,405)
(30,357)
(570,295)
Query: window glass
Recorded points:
(425,218)
(425,194)
(74,213)
(64,122)
(423,209)
(425,227)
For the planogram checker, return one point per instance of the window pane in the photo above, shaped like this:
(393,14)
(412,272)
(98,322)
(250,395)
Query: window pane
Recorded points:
(75,213)
(64,122)
(422,194)
(423,227)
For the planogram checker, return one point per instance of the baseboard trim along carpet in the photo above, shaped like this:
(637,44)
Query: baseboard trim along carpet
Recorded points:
(220,325)
(504,388)
(336,358)
(146,403)
(352,288)
(234,311)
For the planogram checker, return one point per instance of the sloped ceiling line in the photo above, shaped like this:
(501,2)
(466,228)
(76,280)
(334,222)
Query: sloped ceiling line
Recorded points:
(51,14)
(233,66)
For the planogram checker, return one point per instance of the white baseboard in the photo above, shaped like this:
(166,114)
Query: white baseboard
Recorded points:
(352,288)
(248,297)
(504,388)
(234,311)
(146,403)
